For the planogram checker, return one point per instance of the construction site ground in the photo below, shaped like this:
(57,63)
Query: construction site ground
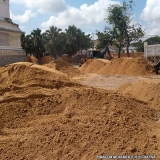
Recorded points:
(111,82)
(58,111)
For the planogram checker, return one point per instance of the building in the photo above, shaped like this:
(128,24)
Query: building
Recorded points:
(152,52)
(112,49)
(10,33)
(131,49)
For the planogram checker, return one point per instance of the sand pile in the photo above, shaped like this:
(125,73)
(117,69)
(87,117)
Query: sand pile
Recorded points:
(75,123)
(64,67)
(25,74)
(93,65)
(44,115)
(123,66)
(144,90)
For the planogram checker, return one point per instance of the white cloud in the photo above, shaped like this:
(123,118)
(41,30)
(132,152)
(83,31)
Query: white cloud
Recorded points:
(84,16)
(43,6)
(151,15)
(23,18)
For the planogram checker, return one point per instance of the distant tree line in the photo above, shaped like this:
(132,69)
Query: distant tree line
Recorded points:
(55,42)
(120,31)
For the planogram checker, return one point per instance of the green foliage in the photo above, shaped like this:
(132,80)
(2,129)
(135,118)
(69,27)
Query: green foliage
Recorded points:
(52,39)
(38,46)
(104,38)
(121,31)
(153,40)
(76,40)
(27,43)
(139,46)
(55,42)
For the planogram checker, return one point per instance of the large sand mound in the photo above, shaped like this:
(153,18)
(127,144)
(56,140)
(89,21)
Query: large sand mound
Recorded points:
(45,115)
(144,90)
(26,74)
(64,67)
(74,123)
(124,66)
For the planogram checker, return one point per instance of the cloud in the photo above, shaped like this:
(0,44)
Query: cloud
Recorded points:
(86,15)
(151,15)
(23,18)
(43,6)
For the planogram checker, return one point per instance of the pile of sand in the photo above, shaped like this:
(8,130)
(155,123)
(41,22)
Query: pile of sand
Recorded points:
(64,67)
(45,115)
(25,74)
(123,66)
(144,90)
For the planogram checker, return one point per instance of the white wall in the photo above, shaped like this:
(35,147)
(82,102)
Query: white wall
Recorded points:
(151,50)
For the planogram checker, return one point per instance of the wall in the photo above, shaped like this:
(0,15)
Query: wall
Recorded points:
(8,57)
(14,39)
(4,39)
(152,52)
(132,55)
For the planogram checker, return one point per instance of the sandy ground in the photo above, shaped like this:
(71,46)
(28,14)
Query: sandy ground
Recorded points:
(111,82)
(53,117)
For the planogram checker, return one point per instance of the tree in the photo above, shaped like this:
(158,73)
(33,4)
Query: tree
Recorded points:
(123,32)
(104,41)
(134,33)
(118,21)
(153,40)
(53,41)
(76,40)
(27,43)
(139,46)
(39,48)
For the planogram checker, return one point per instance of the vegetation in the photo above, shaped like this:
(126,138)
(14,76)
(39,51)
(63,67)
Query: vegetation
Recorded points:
(105,40)
(151,41)
(120,32)
(120,28)
(55,42)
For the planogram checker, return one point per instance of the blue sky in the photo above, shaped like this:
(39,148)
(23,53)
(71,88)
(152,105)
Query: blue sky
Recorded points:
(88,15)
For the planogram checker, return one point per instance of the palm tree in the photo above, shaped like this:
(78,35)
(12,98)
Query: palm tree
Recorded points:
(27,43)
(53,41)
(38,43)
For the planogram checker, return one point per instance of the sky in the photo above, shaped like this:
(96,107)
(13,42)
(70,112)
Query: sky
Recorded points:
(88,15)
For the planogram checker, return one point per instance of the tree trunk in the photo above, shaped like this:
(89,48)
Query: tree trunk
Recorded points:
(109,53)
(128,50)
(119,52)
(39,59)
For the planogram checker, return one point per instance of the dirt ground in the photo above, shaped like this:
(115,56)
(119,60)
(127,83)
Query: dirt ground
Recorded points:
(111,82)
(60,112)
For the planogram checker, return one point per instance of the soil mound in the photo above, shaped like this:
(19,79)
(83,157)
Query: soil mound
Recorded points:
(45,115)
(75,123)
(123,66)
(144,90)
(93,65)
(64,67)
(25,74)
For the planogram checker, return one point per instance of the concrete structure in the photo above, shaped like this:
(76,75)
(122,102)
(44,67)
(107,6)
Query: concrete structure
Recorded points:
(152,52)
(4,9)
(9,34)
(112,49)
(131,49)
